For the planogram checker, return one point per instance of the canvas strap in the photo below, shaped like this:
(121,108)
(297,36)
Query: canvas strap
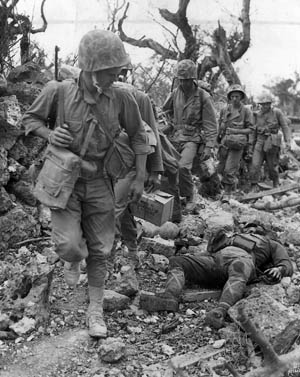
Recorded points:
(61,116)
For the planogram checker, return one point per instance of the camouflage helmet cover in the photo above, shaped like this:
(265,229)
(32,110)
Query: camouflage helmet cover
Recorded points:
(235,88)
(186,69)
(101,49)
(265,98)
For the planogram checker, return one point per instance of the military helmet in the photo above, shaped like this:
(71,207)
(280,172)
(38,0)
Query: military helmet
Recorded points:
(101,49)
(186,69)
(265,98)
(235,88)
(259,226)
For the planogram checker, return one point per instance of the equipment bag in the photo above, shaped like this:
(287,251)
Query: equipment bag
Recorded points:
(235,141)
(61,168)
(119,158)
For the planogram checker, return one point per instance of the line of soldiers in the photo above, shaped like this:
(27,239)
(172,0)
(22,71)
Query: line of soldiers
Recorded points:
(99,207)
(239,136)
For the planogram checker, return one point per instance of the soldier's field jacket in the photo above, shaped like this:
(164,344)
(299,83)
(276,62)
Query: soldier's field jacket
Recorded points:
(194,119)
(271,122)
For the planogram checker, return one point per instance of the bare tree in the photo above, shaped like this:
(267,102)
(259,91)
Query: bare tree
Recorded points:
(16,27)
(223,50)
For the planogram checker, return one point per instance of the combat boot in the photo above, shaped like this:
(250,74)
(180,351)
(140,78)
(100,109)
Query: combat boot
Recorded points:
(276,182)
(168,300)
(95,322)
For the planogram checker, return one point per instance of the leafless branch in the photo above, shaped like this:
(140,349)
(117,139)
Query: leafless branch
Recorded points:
(156,77)
(145,42)
(45,23)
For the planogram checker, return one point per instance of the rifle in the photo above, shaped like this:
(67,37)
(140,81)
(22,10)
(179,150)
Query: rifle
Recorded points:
(56,62)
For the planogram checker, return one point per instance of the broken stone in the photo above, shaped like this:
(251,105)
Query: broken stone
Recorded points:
(198,295)
(160,262)
(16,226)
(191,227)
(4,321)
(219,343)
(221,219)
(125,282)
(151,303)
(112,350)
(24,326)
(4,173)
(158,245)
(168,231)
(115,301)
(269,314)
(5,201)
(10,117)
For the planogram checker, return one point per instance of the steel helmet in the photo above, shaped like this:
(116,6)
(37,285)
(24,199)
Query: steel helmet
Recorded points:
(186,69)
(101,49)
(235,88)
(265,98)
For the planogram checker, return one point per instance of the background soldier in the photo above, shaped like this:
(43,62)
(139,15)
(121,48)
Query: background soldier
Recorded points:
(268,121)
(194,123)
(236,133)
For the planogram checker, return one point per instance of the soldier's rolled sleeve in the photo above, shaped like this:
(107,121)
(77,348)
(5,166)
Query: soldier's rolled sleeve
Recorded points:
(38,113)
(132,122)
(209,121)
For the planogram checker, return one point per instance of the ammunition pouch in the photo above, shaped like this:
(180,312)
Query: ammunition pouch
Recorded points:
(243,242)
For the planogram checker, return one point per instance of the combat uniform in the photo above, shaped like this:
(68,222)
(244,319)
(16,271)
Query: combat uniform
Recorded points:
(267,144)
(195,125)
(230,156)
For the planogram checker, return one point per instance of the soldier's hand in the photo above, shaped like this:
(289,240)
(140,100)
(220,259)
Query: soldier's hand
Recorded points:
(60,136)
(153,182)
(136,191)
(274,273)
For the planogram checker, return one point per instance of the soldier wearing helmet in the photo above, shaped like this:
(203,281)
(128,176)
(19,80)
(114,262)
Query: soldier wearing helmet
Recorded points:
(86,228)
(194,123)
(235,136)
(268,140)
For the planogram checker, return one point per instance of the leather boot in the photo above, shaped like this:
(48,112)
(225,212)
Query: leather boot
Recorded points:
(95,321)
(168,300)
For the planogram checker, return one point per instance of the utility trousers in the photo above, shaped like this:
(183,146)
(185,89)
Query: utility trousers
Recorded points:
(231,268)
(86,228)
(271,157)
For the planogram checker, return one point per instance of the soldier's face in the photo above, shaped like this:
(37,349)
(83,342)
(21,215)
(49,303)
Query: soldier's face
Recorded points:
(265,107)
(186,84)
(106,77)
(235,98)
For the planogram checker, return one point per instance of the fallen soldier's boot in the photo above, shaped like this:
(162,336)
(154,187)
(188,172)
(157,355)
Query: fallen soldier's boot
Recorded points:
(158,302)
(72,273)
(216,318)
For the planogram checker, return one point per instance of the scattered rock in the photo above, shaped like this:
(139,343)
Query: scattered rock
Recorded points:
(112,350)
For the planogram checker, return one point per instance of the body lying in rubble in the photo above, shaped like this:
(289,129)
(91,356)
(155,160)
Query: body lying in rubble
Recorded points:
(231,262)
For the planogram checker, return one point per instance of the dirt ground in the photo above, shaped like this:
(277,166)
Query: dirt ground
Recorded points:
(63,348)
